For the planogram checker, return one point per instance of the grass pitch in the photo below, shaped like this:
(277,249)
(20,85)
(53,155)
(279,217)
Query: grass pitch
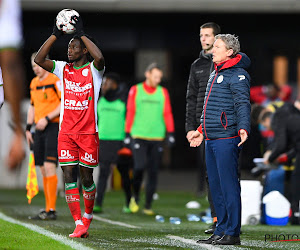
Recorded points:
(115,230)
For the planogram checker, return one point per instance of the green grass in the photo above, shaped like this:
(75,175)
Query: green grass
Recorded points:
(14,237)
(149,234)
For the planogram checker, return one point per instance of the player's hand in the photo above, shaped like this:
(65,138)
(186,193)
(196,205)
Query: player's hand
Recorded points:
(77,22)
(196,139)
(170,140)
(189,134)
(56,32)
(16,153)
(41,124)
(244,136)
(29,138)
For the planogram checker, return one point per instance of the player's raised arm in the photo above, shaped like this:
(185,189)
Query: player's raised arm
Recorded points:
(91,47)
(40,58)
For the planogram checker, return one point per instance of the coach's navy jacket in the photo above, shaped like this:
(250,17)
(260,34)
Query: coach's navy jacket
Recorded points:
(227,107)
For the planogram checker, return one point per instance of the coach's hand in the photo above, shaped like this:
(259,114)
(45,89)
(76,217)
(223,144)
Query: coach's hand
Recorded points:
(56,32)
(77,22)
(189,134)
(196,139)
(243,135)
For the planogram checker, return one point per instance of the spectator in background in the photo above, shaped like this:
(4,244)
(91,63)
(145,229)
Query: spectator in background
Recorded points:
(285,123)
(12,72)
(111,124)
(225,122)
(264,95)
(44,111)
(198,78)
(149,116)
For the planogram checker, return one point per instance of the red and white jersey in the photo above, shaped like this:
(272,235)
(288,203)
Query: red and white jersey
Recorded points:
(79,97)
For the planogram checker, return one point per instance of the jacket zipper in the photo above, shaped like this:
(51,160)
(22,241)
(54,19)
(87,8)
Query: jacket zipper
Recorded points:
(206,104)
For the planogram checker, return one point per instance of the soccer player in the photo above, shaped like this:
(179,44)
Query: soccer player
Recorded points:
(149,116)
(12,72)
(78,140)
(44,112)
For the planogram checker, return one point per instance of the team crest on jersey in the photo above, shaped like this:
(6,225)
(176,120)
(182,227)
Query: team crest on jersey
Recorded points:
(85,72)
(220,79)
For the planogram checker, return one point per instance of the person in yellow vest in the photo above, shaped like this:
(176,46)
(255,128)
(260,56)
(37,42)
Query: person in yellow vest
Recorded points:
(111,110)
(44,111)
(149,118)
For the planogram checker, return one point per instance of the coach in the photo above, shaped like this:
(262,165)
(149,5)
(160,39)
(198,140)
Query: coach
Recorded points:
(225,125)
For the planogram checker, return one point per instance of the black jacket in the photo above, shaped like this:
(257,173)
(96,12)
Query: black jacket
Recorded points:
(199,74)
(286,126)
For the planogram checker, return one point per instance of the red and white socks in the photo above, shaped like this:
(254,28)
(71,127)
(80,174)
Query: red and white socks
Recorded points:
(73,200)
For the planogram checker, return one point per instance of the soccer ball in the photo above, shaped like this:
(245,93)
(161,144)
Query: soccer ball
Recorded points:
(64,21)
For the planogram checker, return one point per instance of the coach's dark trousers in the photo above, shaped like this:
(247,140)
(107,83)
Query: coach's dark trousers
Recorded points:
(222,170)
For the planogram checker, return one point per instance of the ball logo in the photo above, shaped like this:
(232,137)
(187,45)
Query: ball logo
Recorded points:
(85,72)
(220,79)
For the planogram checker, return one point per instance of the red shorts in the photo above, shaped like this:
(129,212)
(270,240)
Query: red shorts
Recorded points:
(79,149)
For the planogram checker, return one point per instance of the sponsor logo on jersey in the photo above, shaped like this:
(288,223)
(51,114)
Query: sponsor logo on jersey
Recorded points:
(75,86)
(85,72)
(88,158)
(76,105)
(65,155)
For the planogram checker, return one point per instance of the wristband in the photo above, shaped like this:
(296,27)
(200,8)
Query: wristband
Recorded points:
(28,127)
(47,118)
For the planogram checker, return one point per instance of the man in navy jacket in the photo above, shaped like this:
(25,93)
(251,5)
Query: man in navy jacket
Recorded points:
(225,125)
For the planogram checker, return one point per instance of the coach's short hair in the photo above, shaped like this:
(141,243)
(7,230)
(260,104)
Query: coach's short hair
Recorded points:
(231,42)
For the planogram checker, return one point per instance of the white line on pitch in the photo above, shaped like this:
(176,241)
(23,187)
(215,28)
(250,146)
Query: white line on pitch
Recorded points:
(95,217)
(192,242)
(57,237)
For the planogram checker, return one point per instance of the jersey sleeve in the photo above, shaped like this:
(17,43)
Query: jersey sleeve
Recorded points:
(97,79)
(130,114)
(97,75)
(168,115)
(31,87)
(58,69)
(58,87)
